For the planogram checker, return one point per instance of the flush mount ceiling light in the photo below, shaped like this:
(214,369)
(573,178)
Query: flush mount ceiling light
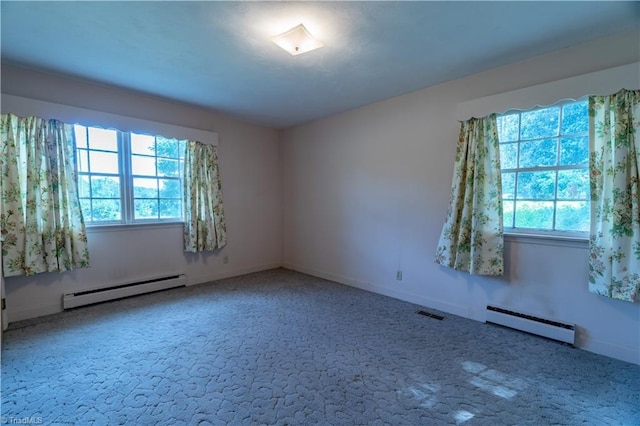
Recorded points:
(297,40)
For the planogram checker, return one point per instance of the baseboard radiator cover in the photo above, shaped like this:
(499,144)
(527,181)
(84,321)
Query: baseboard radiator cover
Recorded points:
(551,329)
(119,291)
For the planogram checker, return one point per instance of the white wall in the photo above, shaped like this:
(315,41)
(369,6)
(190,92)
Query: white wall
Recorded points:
(363,194)
(250,173)
(366,192)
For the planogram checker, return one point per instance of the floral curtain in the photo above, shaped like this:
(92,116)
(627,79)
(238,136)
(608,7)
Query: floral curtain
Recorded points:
(472,236)
(40,216)
(614,241)
(204,224)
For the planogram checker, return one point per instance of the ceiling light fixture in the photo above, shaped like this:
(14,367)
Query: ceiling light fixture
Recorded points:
(297,40)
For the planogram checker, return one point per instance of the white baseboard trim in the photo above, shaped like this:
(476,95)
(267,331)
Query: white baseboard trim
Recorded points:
(624,353)
(426,302)
(24,313)
(15,314)
(202,279)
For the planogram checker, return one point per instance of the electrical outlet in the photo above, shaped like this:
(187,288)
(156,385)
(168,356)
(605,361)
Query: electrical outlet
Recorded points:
(399,275)
(225,259)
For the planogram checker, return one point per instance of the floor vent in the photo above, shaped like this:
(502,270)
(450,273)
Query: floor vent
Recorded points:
(430,315)
(551,329)
(97,295)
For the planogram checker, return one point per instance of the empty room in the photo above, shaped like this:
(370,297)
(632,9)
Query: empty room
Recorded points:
(336,213)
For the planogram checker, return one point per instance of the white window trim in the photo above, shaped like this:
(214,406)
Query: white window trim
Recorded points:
(127,198)
(545,95)
(546,233)
(547,240)
(122,227)
(602,82)
(25,107)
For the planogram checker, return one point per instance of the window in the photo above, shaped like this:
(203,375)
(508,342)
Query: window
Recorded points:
(544,155)
(128,177)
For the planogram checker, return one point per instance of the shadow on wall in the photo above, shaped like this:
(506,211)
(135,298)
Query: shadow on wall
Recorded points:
(582,336)
(204,257)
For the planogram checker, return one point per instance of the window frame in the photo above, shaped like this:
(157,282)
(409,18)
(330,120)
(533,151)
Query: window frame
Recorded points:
(556,234)
(126,177)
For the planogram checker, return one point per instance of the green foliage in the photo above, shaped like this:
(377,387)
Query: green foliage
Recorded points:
(508,185)
(573,184)
(170,188)
(146,208)
(508,127)
(540,141)
(507,213)
(574,151)
(539,153)
(573,216)
(105,191)
(170,208)
(156,164)
(539,123)
(105,210)
(536,185)
(534,214)
(508,155)
(574,118)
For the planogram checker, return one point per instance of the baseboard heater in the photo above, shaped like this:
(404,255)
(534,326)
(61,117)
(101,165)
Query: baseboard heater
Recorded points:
(562,332)
(97,295)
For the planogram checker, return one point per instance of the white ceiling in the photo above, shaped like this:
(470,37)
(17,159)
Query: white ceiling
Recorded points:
(219,54)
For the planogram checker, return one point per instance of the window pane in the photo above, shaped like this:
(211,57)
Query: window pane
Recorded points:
(85,205)
(103,162)
(168,167)
(143,144)
(170,209)
(170,188)
(151,177)
(562,163)
(508,155)
(572,216)
(82,156)
(507,214)
(509,185)
(143,166)
(145,188)
(575,118)
(106,210)
(573,184)
(84,190)
(574,151)
(508,127)
(81,135)
(167,147)
(103,139)
(540,123)
(538,153)
(536,185)
(105,187)
(534,214)
(145,209)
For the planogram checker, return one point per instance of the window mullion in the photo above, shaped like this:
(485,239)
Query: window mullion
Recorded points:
(86,132)
(545,180)
(555,201)
(124,151)
(127,190)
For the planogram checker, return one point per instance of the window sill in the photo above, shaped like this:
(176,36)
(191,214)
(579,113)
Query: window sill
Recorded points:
(119,227)
(548,240)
